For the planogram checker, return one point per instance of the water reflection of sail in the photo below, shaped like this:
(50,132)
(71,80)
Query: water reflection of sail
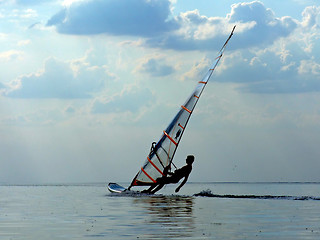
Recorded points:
(174,215)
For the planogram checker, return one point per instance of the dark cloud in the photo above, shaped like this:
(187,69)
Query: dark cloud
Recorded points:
(152,19)
(58,80)
(136,18)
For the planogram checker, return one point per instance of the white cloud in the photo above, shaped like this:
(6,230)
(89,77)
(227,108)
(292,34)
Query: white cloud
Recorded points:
(268,71)
(23,14)
(70,110)
(59,80)
(24,42)
(256,26)
(311,17)
(3,36)
(286,64)
(67,3)
(198,69)
(155,66)
(31,2)
(309,67)
(130,99)
(2,86)
(11,55)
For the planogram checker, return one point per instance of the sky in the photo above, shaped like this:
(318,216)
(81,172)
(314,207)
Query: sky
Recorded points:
(86,87)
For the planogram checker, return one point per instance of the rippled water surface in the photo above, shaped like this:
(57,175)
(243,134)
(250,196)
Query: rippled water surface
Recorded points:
(90,212)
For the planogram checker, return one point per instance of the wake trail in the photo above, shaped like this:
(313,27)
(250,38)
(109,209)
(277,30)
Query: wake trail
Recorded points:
(208,193)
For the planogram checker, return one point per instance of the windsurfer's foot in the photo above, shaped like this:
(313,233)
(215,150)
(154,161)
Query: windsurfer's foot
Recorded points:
(145,191)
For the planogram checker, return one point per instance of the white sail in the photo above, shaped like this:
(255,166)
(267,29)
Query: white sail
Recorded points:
(160,158)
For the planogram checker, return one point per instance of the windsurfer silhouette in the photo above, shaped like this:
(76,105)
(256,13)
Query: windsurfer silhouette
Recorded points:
(175,177)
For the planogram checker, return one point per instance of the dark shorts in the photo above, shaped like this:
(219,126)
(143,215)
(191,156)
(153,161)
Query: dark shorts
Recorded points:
(167,180)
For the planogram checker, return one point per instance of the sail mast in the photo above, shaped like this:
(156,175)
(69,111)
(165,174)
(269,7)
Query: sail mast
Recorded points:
(161,155)
(214,65)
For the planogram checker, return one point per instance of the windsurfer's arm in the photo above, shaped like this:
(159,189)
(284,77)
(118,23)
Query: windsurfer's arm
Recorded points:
(166,170)
(182,183)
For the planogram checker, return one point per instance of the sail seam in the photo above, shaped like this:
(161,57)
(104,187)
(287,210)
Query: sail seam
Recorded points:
(159,159)
(155,166)
(148,175)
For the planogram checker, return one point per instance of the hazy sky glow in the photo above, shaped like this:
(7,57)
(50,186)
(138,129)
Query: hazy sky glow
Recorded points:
(86,87)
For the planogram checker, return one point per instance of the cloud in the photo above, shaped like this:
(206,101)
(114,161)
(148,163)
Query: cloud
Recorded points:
(135,18)
(271,54)
(153,20)
(196,32)
(198,70)
(155,67)
(22,14)
(31,2)
(60,80)
(287,65)
(70,110)
(2,86)
(311,16)
(11,55)
(256,26)
(266,26)
(24,42)
(3,36)
(309,67)
(131,99)
(272,70)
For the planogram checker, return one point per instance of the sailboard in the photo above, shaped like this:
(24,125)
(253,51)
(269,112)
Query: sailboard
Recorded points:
(160,158)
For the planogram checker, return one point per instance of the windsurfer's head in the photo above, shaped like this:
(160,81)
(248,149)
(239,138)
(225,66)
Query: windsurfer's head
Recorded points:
(190,159)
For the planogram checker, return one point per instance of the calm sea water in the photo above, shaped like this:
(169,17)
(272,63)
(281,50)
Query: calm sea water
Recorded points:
(90,212)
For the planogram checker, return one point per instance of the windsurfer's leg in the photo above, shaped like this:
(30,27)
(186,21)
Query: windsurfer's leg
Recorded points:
(157,188)
(160,182)
(150,188)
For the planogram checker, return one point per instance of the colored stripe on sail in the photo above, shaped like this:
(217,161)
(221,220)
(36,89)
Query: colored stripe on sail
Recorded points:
(155,166)
(148,175)
(174,142)
(189,111)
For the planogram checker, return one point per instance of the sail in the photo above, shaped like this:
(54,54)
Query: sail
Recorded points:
(160,158)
